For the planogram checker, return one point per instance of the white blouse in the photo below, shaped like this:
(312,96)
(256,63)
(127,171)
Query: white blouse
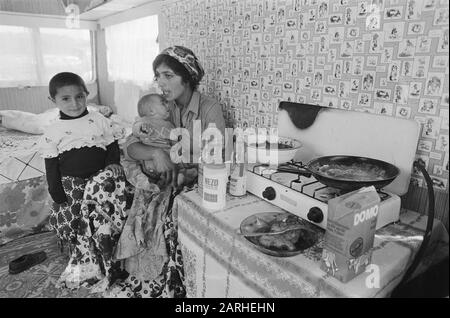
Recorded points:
(90,130)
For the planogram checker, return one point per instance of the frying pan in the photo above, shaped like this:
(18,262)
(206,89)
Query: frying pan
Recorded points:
(388,172)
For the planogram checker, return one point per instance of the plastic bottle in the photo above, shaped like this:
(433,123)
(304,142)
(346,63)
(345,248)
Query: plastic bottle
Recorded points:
(238,180)
(214,188)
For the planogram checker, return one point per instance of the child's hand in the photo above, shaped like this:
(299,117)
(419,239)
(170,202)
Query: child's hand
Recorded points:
(116,169)
(146,128)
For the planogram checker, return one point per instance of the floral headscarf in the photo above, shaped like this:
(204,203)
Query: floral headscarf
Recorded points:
(186,57)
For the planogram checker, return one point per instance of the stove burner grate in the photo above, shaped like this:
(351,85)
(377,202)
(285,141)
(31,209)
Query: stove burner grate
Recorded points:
(322,192)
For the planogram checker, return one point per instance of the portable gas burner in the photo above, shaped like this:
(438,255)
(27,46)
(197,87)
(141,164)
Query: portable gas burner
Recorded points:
(293,189)
(324,131)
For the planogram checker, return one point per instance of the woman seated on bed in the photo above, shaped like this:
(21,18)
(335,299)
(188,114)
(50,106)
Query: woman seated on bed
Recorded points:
(148,244)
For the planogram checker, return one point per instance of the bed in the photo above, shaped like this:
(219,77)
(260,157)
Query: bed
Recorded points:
(24,206)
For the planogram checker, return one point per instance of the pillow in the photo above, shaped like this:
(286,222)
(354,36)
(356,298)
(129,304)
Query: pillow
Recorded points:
(28,122)
(35,123)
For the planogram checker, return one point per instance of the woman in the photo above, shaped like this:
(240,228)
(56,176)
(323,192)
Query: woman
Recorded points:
(178,73)
(148,244)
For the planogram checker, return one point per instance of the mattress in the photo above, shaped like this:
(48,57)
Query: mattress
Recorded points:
(19,156)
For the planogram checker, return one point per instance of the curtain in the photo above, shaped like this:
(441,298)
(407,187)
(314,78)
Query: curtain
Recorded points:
(131,49)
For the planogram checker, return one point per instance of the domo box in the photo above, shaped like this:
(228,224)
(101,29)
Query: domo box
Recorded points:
(350,232)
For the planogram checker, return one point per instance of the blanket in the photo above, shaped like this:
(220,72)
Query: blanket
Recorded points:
(24,209)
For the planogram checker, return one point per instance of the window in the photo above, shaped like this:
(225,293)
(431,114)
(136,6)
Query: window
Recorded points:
(66,50)
(33,55)
(17,61)
(131,48)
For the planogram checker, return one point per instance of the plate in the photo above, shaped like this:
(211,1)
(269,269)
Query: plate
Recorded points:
(286,151)
(290,243)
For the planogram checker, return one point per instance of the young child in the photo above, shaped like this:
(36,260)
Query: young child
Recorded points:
(80,143)
(76,147)
(153,126)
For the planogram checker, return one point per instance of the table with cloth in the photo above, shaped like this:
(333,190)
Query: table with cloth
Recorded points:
(219,262)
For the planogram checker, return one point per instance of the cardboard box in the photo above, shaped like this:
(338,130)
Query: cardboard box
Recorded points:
(350,232)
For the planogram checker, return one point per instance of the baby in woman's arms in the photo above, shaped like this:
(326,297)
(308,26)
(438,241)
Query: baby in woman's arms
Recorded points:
(153,126)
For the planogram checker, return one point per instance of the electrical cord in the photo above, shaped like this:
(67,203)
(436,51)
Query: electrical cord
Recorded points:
(429,227)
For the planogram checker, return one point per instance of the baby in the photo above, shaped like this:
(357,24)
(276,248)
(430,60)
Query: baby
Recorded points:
(153,126)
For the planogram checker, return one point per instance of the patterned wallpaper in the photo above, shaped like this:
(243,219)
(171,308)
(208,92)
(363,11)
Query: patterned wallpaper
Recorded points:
(382,56)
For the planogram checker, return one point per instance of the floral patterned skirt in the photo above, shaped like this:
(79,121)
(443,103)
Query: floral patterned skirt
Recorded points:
(91,222)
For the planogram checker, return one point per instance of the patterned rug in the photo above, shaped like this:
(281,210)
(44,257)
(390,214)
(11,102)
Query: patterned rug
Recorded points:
(39,281)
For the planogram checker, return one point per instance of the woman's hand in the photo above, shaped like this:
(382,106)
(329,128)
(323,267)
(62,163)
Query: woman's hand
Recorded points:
(165,167)
(116,169)
(186,176)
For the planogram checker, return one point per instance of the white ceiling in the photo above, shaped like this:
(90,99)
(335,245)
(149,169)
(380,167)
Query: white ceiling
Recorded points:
(112,7)
(91,10)
(45,7)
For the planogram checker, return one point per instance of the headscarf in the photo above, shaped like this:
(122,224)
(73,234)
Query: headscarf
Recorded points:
(188,59)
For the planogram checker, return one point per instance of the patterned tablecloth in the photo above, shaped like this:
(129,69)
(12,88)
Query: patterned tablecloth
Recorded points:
(221,263)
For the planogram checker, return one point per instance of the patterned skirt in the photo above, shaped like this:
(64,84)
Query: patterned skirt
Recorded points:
(91,223)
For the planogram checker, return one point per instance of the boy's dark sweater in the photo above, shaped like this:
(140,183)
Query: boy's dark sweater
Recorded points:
(82,162)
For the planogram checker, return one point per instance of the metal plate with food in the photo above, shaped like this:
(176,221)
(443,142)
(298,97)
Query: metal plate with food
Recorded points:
(277,152)
(279,233)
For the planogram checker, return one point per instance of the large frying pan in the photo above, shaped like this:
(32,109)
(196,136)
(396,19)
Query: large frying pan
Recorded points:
(343,177)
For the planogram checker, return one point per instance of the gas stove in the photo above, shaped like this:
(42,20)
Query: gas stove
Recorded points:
(293,189)
(329,132)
